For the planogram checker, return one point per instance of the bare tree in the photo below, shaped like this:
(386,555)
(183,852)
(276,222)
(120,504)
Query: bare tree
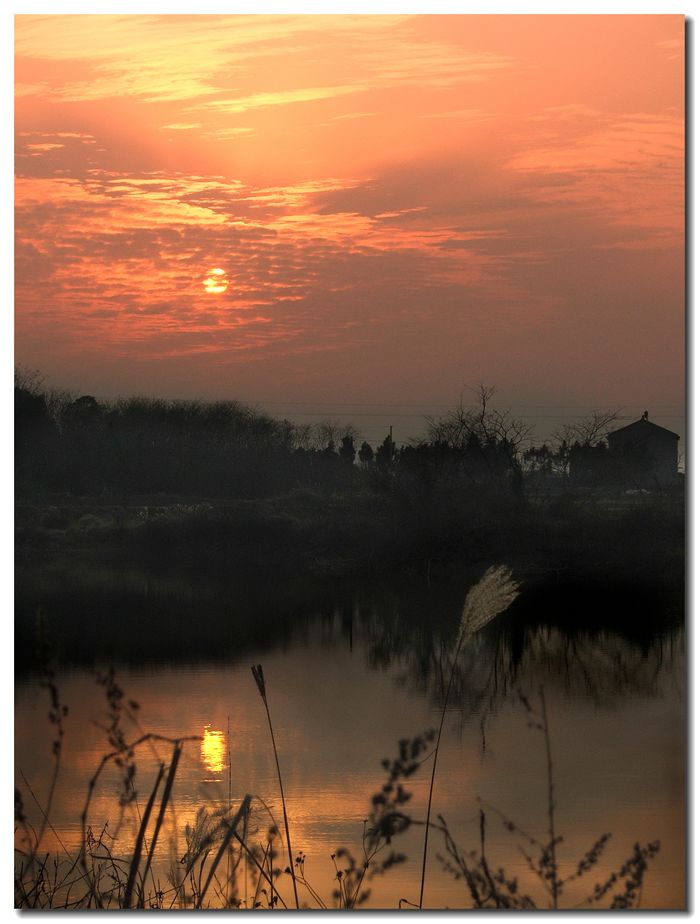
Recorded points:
(328,432)
(303,436)
(497,438)
(589,430)
(482,423)
(56,399)
(30,380)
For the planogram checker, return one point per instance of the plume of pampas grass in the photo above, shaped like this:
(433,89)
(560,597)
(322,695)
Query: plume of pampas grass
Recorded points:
(489,597)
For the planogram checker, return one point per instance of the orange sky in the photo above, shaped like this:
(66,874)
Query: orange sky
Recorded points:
(403,206)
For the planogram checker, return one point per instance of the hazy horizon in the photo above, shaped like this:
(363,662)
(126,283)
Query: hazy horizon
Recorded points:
(409,422)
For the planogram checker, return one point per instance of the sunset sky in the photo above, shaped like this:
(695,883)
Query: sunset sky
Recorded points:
(397,208)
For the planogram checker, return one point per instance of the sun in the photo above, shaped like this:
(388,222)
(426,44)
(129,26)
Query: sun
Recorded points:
(215,282)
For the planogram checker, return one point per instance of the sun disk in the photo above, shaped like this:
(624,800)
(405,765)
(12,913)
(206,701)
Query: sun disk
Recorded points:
(216,281)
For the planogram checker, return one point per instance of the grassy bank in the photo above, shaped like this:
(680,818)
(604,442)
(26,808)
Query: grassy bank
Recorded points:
(359,533)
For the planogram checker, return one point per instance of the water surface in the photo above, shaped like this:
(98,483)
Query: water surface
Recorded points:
(347,678)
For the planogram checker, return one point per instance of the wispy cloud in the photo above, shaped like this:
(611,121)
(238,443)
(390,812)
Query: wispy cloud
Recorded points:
(187,59)
(381,190)
(237,105)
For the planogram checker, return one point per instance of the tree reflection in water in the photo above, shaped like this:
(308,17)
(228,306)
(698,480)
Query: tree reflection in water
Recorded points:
(517,652)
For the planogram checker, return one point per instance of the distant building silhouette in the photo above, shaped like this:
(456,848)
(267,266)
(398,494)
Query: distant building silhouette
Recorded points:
(649,452)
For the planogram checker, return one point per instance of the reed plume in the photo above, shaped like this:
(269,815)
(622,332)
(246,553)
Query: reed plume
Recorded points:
(488,598)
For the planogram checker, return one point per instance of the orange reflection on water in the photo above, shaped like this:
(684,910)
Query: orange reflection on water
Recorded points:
(330,774)
(213,749)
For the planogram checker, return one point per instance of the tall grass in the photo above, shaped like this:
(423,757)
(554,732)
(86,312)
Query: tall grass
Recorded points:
(103,880)
(260,682)
(94,877)
(492,595)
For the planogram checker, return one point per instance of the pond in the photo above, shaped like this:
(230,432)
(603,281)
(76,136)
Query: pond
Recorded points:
(350,670)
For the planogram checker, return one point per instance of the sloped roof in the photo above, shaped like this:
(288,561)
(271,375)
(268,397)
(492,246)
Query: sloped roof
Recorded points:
(641,429)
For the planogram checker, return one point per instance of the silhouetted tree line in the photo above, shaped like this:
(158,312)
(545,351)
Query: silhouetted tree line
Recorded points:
(142,445)
(149,445)
(476,455)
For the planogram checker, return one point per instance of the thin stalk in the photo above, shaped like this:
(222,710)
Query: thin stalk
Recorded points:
(92,783)
(263,873)
(49,802)
(435,759)
(230,831)
(550,803)
(484,863)
(177,750)
(493,594)
(284,804)
(228,855)
(44,814)
(260,681)
(246,872)
(260,868)
(138,847)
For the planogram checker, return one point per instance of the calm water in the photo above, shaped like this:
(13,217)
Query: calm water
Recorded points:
(345,681)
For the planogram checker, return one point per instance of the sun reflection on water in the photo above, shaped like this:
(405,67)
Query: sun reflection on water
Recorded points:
(213,749)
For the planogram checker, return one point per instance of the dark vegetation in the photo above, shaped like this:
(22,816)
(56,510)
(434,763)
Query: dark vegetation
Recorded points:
(138,513)
(150,478)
